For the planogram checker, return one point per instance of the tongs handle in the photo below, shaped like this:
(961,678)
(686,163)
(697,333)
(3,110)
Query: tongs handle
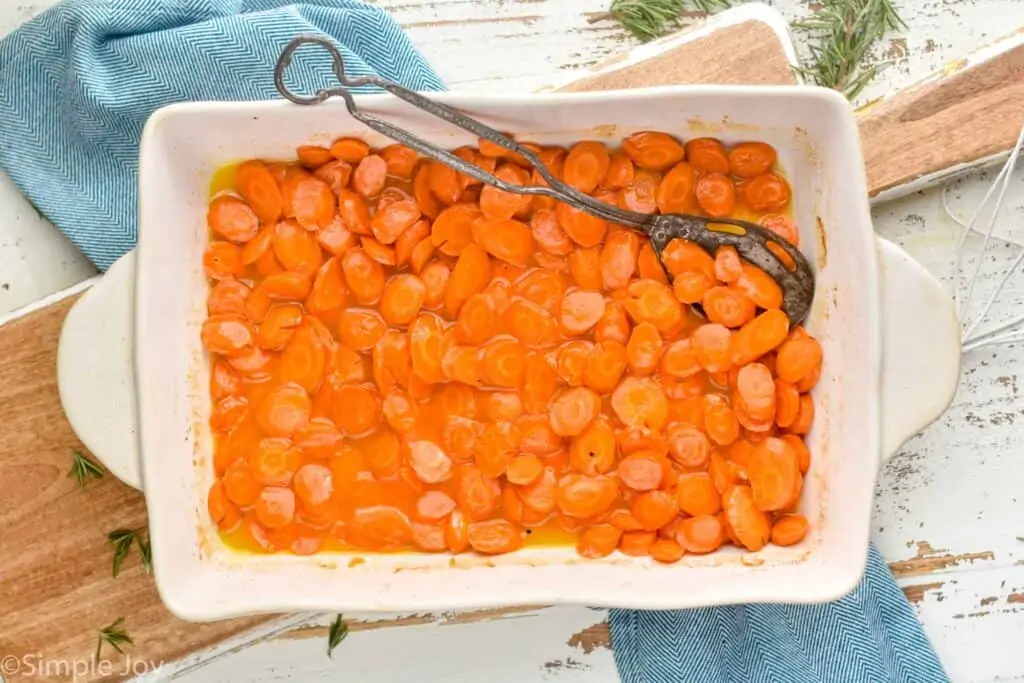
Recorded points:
(555,188)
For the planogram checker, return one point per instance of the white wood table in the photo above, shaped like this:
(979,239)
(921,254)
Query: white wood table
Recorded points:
(949,515)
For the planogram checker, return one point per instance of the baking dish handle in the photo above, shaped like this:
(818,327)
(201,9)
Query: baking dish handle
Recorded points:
(920,347)
(95,374)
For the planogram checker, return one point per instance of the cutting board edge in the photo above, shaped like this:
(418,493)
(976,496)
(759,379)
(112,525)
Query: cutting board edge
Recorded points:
(48,300)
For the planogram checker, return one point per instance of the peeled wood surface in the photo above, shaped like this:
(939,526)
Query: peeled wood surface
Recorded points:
(944,122)
(56,588)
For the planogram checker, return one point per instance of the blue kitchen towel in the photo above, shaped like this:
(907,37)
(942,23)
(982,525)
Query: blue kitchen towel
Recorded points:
(78,82)
(869,636)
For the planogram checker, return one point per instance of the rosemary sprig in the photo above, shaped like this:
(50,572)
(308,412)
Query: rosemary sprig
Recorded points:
(114,635)
(845,32)
(337,633)
(122,540)
(648,19)
(83,469)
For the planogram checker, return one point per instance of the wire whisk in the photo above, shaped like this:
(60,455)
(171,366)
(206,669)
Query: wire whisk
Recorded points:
(978,331)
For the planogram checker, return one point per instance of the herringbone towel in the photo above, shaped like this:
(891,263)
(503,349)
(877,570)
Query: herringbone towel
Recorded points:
(76,86)
(78,82)
(869,636)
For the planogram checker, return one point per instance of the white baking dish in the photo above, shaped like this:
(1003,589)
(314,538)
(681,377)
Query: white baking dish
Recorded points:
(890,337)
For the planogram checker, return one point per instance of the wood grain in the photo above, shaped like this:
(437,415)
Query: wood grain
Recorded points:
(56,587)
(755,57)
(945,122)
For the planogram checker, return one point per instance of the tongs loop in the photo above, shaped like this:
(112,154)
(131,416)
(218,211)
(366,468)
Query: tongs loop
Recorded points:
(796,278)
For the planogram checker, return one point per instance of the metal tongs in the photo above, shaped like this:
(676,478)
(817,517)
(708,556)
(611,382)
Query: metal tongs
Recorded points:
(749,239)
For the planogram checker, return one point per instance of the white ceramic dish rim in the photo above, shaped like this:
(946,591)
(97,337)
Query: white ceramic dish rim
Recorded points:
(606,584)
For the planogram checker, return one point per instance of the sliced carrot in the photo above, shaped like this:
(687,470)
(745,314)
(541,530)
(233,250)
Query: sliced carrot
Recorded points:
(767,192)
(224,381)
(572,361)
(529,323)
(495,537)
(691,286)
(471,274)
(548,234)
(542,287)
(787,402)
(679,360)
(381,253)
(720,421)
(452,230)
(360,329)
(618,258)
(696,494)
(582,496)
(228,413)
(284,410)
(232,219)
(400,161)
(653,151)
(782,226)
(585,266)
(759,287)
(637,543)
(759,336)
(605,365)
(350,150)
(597,541)
(504,362)
(226,334)
(354,212)
(641,471)
(581,310)
(223,260)
(701,534)
(613,325)
(639,402)
(707,155)
(728,307)
(680,256)
(586,165)
(716,194)
(478,496)
(445,183)
(303,359)
(712,344)
(402,299)
(356,408)
(653,509)
(593,449)
(666,551)
(509,240)
(278,325)
(573,409)
(653,302)
(499,205)
(789,530)
(677,190)
(364,276)
(756,387)
(370,175)
(307,199)
(583,228)
(687,445)
(774,471)
(390,222)
(260,190)
(641,195)
(329,292)
(336,174)
(313,156)
(381,527)
(620,171)
(751,159)
(750,525)
(275,507)
(798,358)
(804,419)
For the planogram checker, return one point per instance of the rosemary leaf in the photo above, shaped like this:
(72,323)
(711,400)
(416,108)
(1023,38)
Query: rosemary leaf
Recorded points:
(843,33)
(337,633)
(113,634)
(121,540)
(83,469)
(146,555)
(648,19)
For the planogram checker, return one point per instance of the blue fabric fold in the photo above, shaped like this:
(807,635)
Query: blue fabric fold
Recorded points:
(79,81)
(868,636)
(77,84)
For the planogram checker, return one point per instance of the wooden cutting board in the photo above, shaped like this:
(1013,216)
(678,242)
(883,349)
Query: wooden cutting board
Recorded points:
(56,588)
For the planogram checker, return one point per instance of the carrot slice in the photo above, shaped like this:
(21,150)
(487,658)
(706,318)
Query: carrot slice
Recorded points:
(642,194)
(581,310)
(749,524)
(789,530)
(653,509)
(284,410)
(756,387)
(573,409)
(529,323)
(364,276)
(759,336)
(370,175)
(687,445)
(640,403)
(380,527)
(471,274)
(223,260)
(641,471)
(707,155)
(719,420)
(572,361)
(797,359)
(226,334)
(618,258)
(232,219)
(402,299)
(728,307)
(586,165)
(593,449)
(620,171)
(499,205)
(605,365)
(648,266)
(653,151)
(303,359)
(767,192)
(804,419)
(350,150)
(495,537)
(679,360)
(653,302)
(504,362)
(260,190)
(356,408)
(360,329)
(613,325)
(597,541)
(696,494)
(583,228)
(712,344)
(445,183)
(701,534)
(716,194)
(774,472)
(509,240)
(751,159)
(582,496)
(307,199)
(637,543)
(787,402)
(676,192)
